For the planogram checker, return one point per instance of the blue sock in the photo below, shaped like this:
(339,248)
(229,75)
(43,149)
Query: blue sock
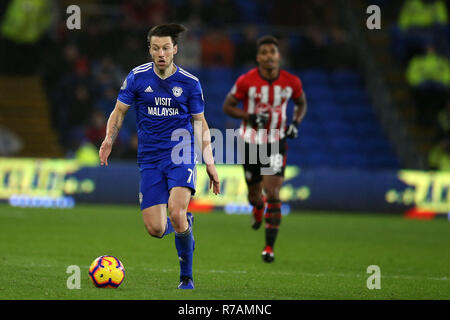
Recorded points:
(184,244)
(169,228)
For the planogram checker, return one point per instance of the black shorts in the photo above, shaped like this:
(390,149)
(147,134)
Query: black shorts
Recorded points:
(260,160)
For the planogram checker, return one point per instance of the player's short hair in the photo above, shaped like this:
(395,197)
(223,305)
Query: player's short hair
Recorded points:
(171,30)
(267,39)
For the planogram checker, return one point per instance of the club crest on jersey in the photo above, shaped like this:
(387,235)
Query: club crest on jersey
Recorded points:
(177,91)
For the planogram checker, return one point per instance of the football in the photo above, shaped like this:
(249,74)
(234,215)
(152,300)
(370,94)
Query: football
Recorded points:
(107,272)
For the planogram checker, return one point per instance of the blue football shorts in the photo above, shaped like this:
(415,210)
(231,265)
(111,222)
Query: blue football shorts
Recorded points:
(157,180)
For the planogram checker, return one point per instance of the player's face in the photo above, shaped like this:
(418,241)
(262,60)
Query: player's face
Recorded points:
(268,56)
(162,51)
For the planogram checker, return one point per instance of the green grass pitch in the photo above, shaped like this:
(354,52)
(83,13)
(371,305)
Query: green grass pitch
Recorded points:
(318,256)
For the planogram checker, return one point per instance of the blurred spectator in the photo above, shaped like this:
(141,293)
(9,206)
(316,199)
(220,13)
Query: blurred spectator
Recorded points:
(107,100)
(258,12)
(131,151)
(439,156)
(88,67)
(140,12)
(221,13)
(285,51)
(87,155)
(22,30)
(443,121)
(341,53)
(287,12)
(313,50)
(10,143)
(190,54)
(25,21)
(96,130)
(81,107)
(62,63)
(107,74)
(321,11)
(419,22)
(64,81)
(192,13)
(422,14)
(245,55)
(429,79)
(158,12)
(217,49)
(138,46)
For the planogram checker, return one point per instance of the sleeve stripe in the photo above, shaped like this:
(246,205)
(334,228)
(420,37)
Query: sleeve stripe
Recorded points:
(142,70)
(142,66)
(187,74)
(124,102)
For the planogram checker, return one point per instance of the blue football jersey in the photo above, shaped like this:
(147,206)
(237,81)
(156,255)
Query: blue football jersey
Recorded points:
(162,106)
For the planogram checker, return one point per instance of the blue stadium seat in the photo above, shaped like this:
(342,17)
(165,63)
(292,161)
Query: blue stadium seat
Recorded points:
(319,93)
(314,76)
(198,72)
(344,144)
(237,72)
(381,161)
(376,145)
(345,78)
(218,75)
(310,127)
(352,159)
(350,95)
(365,129)
(358,113)
(338,127)
(314,143)
(329,111)
(319,159)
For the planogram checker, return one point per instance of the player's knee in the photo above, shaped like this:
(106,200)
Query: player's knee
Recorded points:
(155,231)
(272,193)
(178,218)
(254,198)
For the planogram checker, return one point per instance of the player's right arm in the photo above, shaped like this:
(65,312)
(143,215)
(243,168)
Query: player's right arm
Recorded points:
(113,126)
(239,93)
(230,107)
(125,99)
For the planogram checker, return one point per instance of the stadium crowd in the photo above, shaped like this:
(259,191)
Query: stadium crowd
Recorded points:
(84,68)
(420,43)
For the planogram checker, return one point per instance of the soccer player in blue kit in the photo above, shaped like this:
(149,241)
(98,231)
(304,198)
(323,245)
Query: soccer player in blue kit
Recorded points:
(166,99)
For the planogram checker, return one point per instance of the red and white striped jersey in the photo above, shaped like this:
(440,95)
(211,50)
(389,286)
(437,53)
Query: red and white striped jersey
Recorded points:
(259,95)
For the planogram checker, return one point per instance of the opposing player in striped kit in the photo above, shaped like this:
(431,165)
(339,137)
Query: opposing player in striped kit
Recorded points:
(264,92)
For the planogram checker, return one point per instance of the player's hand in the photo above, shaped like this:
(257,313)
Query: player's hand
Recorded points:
(105,151)
(292,130)
(259,119)
(213,178)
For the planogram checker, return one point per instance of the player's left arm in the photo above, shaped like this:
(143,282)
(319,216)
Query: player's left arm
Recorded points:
(202,138)
(300,107)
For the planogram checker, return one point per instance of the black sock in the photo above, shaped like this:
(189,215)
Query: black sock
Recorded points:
(273,220)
